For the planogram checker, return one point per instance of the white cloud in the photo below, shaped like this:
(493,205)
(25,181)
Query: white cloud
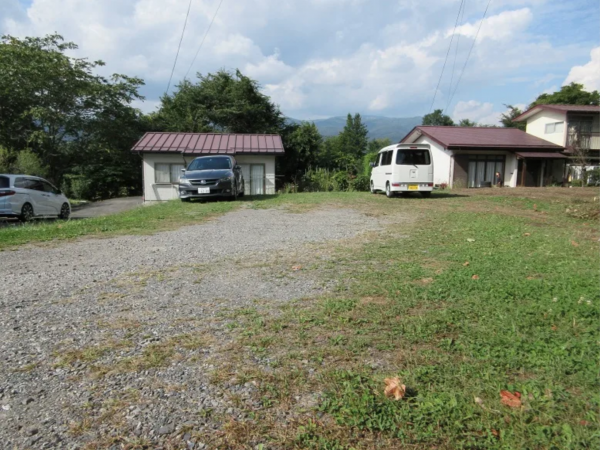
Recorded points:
(475,111)
(499,27)
(588,74)
(380,102)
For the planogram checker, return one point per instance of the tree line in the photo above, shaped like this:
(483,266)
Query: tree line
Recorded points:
(62,121)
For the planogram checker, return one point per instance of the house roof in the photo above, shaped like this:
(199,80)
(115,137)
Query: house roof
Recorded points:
(210,143)
(456,138)
(557,108)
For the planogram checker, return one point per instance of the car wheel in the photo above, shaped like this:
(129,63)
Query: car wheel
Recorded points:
(65,211)
(373,188)
(388,191)
(27,213)
(426,194)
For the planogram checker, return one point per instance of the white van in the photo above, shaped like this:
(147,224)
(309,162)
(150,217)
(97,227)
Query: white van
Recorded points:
(403,168)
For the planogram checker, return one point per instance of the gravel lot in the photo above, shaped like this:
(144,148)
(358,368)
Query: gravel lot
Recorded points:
(105,341)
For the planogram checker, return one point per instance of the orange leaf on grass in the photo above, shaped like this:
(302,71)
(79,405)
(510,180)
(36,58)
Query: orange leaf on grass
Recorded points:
(475,277)
(510,399)
(527,234)
(574,244)
(466,263)
(295,268)
(394,388)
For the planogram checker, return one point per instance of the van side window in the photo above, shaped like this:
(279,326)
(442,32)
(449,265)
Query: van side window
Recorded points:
(386,159)
(378,162)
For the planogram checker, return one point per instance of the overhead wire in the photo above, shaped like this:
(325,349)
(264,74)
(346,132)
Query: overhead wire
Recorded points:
(179,46)
(203,39)
(447,53)
(469,55)
(464,6)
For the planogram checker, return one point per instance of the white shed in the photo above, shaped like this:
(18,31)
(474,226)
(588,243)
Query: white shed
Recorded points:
(165,154)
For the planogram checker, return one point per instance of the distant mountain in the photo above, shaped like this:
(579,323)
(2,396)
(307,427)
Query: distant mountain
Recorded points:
(379,127)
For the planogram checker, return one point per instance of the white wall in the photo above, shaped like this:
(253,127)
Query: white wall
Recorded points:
(159,192)
(536,126)
(442,161)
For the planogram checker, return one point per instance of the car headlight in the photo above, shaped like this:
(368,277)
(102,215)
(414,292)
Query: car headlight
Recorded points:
(227,178)
(184,181)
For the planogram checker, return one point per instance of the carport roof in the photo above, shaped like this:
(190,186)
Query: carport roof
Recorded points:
(210,143)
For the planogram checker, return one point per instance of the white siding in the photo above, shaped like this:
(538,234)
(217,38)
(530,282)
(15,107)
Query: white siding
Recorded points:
(442,161)
(154,191)
(536,126)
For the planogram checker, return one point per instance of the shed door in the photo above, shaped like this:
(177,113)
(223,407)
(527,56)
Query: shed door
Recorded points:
(246,175)
(257,179)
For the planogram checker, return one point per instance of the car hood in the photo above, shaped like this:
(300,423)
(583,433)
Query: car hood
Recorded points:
(206,174)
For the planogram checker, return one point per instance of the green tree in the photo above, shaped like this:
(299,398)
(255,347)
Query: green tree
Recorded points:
(508,118)
(352,144)
(438,118)
(467,123)
(571,94)
(372,151)
(57,107)
(224,102)
(302,145)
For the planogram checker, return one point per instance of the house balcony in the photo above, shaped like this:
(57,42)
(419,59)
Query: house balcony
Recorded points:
(589,140)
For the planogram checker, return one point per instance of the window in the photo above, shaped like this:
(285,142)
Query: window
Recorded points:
(167,173)
(556,127)
(378,161)
(483,168)
(211,163)
(49,188)
(386,158)
(4,182)
(413,158)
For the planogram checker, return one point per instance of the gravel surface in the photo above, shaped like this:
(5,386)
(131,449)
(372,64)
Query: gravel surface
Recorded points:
(105,341)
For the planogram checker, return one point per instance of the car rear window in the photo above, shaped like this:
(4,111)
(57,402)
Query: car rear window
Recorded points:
(4,182)
(413,158)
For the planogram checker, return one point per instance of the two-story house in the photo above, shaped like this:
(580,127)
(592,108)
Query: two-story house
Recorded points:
(569,126)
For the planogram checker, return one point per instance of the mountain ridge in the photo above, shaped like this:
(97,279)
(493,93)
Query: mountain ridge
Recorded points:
(380,127)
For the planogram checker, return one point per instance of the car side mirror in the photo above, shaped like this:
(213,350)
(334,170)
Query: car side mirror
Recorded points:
(182,170)
(372,164)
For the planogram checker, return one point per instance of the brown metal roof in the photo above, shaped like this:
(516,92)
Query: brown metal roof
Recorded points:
(455,138)
(544,155)
(559,108)
(210,143)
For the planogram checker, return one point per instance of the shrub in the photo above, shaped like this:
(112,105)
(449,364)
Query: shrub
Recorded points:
(360,183)
(29,163)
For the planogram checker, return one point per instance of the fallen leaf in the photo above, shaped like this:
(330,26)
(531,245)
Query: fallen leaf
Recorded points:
(394,388)
(554,328)
(426,280)
(466,263)
(495,432)
(478,401)
(574,244)
(470,240)
(510,399)
(585,423)
(527,234)
(475,277)
(531,278)
(295,268)
(534,207)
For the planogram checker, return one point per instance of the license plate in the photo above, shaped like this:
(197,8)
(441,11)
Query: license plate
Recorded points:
(413,187)
(203,190)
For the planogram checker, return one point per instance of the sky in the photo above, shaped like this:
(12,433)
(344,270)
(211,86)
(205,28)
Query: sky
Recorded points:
(323,58)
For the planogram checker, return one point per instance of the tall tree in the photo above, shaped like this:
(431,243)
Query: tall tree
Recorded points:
(223,102)
(438,117)
(58,108)
(571,94)
(302,145)
(353,143)
(508,118)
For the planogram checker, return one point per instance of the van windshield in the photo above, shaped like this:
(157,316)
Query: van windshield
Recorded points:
(217,163)
(413,158)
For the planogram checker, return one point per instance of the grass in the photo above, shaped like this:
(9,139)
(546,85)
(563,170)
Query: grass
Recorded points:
(487,294)
(142,220)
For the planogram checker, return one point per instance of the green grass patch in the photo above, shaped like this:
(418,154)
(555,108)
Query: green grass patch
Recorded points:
(141,220)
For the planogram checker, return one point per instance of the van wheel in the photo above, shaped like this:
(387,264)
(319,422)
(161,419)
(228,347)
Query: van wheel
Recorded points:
(373,188)
(426,194)
(388,191)
(26,213)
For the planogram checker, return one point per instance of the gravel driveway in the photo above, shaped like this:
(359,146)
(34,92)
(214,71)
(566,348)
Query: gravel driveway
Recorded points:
(113,340)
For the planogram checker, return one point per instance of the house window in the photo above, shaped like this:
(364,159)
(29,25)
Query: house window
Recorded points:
(167,173)
(483,168)
(556,127)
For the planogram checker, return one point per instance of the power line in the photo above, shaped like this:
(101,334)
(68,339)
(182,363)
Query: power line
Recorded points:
(456,50)
(447,53)
(469,55)
(203,39)
(179,47)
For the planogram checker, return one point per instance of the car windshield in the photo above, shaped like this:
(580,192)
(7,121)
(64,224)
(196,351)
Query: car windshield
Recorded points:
(413,158)
(4,182)
(210,164)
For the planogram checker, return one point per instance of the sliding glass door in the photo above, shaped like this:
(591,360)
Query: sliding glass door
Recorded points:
(483,168)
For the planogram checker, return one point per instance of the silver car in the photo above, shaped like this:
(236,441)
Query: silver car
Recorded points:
(25,197)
